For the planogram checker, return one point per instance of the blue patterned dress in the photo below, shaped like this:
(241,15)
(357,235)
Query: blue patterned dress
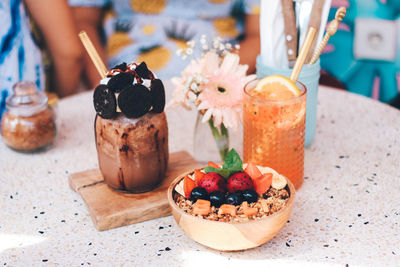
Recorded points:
(152,30)
(20,59)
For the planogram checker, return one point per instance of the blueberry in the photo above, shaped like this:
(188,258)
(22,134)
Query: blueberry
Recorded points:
(198,193)
(265,195)
(235,198)
(250,195)
(217,198)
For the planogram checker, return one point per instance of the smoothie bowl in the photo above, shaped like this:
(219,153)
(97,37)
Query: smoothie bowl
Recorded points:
(231,207)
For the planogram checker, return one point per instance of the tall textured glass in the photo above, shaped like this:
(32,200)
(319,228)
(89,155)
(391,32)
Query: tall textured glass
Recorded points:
(273,132)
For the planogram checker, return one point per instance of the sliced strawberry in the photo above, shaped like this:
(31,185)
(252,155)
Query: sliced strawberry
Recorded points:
(188,185)
(253,171)
(197,176)
(212,164)
(263,183)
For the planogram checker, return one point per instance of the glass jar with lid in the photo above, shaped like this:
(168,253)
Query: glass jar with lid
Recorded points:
(28,123)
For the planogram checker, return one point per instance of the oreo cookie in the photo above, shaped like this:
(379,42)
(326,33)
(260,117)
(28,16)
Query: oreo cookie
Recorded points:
(120,81)
(104,102)
(157,92)
(143,71)
(123,66)
(134,100)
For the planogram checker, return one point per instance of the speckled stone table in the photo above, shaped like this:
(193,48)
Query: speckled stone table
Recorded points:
(346,213)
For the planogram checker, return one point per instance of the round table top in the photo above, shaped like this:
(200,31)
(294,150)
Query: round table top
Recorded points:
(347,211)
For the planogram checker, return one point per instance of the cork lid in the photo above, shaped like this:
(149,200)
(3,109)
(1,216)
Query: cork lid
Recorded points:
(26,100)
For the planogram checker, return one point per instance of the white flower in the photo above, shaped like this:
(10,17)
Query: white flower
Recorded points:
(192,96)
(189,51)
(191,43)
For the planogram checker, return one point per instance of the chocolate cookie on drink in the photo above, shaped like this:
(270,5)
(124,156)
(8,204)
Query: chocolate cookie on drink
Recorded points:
(143,71)
(120,81)
(157,92)
(123,66)
(134,100)
(104,102)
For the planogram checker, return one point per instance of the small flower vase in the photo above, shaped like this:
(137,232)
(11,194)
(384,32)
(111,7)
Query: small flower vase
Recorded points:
(213,143)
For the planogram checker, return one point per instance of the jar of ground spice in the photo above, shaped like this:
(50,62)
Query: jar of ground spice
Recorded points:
(28,123)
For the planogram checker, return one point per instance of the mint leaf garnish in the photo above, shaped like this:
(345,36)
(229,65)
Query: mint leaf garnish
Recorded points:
(233,163)
(225,173)
(210,169)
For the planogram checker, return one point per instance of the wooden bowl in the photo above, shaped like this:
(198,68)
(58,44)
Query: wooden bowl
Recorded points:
(229,236)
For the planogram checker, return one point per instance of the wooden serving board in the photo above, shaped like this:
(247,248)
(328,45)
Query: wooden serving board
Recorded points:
(110,209)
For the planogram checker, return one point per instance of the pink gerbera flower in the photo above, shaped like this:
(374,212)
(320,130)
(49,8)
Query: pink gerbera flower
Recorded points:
(222,91)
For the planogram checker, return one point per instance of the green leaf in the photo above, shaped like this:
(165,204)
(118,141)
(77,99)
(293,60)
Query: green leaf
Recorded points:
(233,161)
(210,169)
(224,173)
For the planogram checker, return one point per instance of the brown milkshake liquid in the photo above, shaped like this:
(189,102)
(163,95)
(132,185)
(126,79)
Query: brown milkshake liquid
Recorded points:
(132,153)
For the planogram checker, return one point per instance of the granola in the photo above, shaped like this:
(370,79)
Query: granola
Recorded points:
(274,201)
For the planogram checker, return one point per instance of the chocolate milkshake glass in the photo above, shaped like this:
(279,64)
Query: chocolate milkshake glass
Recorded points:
(132,153)
(131,129)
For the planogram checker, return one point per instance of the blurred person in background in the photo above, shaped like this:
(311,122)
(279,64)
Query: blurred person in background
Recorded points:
(20,57)
(152,30)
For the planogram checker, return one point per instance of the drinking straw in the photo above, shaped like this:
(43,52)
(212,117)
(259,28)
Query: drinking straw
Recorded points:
(330,31)
(303,53)
(94,56)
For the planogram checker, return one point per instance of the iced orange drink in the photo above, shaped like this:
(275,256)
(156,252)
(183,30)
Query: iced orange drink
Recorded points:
(274,123)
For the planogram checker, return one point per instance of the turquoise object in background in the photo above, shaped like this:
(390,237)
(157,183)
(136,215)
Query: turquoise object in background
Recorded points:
(309,76)
(378,79)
